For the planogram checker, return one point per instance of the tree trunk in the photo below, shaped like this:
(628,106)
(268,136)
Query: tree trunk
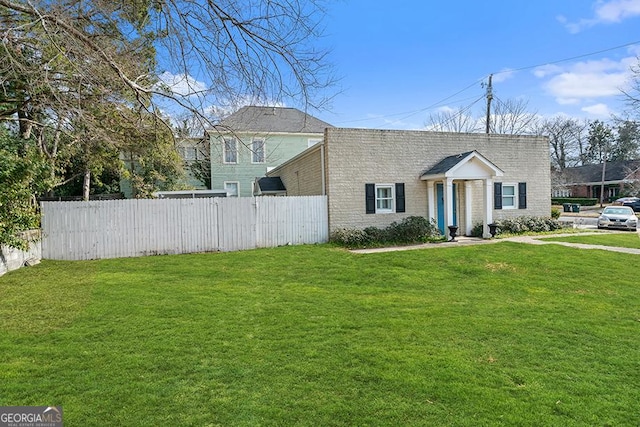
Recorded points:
(86,185)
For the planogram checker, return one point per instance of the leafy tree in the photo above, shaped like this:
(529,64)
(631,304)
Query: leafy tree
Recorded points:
(246,48)
(68,65)
(627,141)
(80,82)
(192,126)
(149,157)
(23,172)
(601,140)
(201,170)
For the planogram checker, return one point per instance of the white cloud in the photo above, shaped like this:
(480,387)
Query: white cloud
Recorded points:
(605,12)
(599,110)
(577,86)
(503,75)
(587,80)
(617,10)
(546,70)
(182,84)
(445,109)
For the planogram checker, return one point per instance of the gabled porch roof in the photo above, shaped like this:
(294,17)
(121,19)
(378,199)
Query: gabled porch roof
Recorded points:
(468,165)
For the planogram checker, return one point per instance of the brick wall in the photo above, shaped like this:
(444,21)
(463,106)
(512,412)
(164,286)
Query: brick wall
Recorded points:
(302,176)
(359,156)
(354,157)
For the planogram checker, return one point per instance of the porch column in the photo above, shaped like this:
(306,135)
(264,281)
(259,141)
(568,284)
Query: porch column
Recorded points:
(431,200)
(468,197)
(448,202)
(488,207)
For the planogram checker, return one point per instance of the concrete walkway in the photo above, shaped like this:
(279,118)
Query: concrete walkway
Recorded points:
(578,219)
(535,240)
(532,240)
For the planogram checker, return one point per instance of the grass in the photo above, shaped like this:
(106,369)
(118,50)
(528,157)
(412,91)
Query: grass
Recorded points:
(624,240)
(503,334)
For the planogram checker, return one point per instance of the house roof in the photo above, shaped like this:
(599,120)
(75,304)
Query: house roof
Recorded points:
(469,164)
(272,120)
(271,184)
(614,172)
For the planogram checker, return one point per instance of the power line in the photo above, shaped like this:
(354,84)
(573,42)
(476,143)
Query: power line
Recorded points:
(455,117)
(408,114)
(529,67)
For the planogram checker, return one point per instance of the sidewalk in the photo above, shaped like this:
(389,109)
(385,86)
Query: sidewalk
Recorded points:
(532,240)
(535,240)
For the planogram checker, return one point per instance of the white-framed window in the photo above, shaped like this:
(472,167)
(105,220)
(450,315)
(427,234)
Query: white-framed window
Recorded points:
(257,150)
(230,150)
(561,192)
(313,141)
(509,196)
(233,188)
(384,198)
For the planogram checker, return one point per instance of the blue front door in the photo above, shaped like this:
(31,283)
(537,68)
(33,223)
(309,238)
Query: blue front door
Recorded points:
(440,198)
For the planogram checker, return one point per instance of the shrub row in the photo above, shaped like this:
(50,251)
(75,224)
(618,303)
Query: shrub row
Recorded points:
(525,224)
(416,229)
(584,201)
(413,229)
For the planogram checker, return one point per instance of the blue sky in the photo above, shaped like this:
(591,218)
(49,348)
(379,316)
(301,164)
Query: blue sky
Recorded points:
(401,61)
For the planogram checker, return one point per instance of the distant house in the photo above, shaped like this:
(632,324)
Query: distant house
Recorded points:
(249,142)
(191,150)
(375,177)
(195,151)
(621,178)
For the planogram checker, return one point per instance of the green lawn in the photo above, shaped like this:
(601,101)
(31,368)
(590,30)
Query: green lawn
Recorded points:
(503,334)
(624,240)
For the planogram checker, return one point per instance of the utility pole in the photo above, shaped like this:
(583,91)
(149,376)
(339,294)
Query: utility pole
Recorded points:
(489,98)
(604,170)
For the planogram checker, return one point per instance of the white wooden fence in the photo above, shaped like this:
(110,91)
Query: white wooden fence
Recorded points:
(126,228)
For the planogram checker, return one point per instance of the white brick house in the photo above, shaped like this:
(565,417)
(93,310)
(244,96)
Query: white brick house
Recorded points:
(373,177)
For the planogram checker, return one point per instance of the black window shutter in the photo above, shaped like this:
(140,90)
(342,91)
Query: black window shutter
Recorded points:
(522,195)
(370,198)
(497,195)
(400,197)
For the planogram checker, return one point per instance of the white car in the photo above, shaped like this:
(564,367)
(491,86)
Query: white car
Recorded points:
(622,217)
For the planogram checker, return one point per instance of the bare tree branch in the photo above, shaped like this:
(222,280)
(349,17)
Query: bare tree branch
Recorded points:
(87,69)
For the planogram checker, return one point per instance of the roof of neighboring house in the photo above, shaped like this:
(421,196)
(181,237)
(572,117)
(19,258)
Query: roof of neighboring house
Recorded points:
(272,119)
(614,171)
(271,185)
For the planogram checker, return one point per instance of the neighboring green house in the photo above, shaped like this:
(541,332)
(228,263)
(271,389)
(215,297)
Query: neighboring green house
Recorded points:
(253,140)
